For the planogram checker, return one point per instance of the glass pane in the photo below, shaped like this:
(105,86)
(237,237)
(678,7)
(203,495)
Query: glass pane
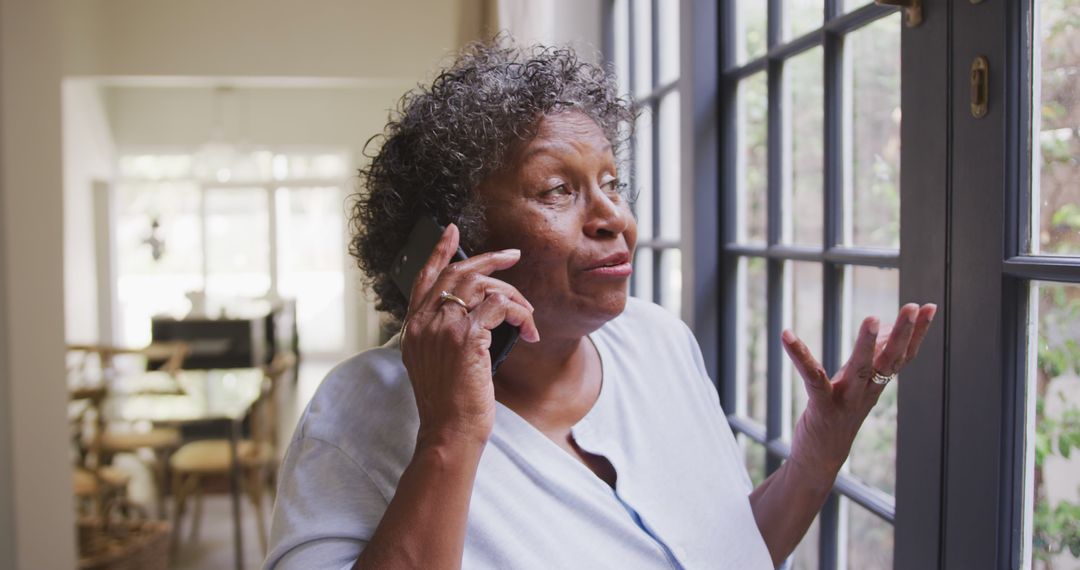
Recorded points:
(669,41)
(641,19)
(869,539)
(751,339)
(805,556)
(754,454)
(643,175)
(329,166)
(804,318)
(643,273)
(872,185)
(237,245)
(806,137)
(670,184)
(155,268)
(850,5)
(671,276)
(155,167)
(875,292)
(802,16)
(311,239)
(750,18)
(621,31)
(1055,193)
(752,159)
(1054,459)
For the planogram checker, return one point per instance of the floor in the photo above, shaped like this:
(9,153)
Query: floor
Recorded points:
(214,548)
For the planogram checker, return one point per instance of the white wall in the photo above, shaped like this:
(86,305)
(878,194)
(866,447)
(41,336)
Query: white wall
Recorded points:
(88,157)
(184,117)
(36,512)
(284,38)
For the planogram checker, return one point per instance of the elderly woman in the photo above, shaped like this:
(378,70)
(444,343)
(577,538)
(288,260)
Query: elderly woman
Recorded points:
(599,442)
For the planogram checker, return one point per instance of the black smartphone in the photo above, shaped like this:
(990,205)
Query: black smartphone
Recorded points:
(411,259)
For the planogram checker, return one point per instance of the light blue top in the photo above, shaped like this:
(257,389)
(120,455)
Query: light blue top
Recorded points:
(681,496)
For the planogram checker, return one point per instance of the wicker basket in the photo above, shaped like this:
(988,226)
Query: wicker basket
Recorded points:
(112,542)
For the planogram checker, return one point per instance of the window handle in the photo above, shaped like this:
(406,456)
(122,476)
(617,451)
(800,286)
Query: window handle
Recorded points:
(913,9)
(980,87)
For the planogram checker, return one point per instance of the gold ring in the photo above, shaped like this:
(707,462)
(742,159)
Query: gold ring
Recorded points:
(882,379)
(445,296)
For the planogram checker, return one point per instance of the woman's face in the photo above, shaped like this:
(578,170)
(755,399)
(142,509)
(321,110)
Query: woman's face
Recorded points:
(558,201)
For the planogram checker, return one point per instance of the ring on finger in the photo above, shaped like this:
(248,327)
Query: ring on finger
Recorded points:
(882,379)
(445,296)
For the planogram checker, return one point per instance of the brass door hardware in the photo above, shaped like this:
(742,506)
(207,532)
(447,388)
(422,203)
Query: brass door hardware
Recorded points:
(913,9)
(980,87)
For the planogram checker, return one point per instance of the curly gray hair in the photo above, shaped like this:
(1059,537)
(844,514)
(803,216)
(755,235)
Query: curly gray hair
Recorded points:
(446,138)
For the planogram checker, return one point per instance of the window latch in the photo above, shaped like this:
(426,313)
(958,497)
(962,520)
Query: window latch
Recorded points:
(980,87)
(912,8)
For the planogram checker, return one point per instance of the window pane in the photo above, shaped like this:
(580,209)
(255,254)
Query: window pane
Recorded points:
(806,137)
(751,339)
(147,286)
(805,556)
(1054,460)
(311,240)
(754,454)
(671,274)
(643,273)
(872,186)
(802,16)
(237,244)
(869,539)
(324,166)
(643,175)
(670,184)
(642,46)
(1055,193)
(669,41)
(752,157)
(850,5)
(621,40)
(155,167)
(874,292)
(750,20)
(804,318)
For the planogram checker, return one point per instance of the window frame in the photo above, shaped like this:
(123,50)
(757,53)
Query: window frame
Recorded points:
(833,256)
(655,246)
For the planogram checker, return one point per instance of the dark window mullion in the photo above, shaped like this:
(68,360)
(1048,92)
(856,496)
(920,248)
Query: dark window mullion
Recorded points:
(774,416)
(829,521)
(728,117)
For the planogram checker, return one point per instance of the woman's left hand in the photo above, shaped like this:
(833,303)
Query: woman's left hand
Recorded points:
(837,407)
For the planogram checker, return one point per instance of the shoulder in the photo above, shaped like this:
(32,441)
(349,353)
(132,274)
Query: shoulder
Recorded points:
(364,404)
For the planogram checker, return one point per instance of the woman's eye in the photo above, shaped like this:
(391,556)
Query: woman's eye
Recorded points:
(557,192)
(614,186)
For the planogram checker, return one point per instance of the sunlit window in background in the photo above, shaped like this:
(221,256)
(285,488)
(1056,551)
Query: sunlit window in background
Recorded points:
(234,229)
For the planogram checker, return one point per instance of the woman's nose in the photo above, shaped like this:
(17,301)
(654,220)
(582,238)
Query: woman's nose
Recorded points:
(605,215)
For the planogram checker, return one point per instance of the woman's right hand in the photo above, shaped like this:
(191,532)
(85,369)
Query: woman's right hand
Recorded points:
(445,347)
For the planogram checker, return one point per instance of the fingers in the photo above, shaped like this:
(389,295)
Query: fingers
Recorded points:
(475,287)
(809,368)
(439,259)
(497,308)
(922,325)
(891,358)
(862,356)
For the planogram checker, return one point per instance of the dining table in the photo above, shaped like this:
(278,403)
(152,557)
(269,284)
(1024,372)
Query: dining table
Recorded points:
(221,397)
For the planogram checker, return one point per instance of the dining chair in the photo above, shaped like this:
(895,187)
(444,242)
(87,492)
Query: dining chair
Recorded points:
(198,463)
(120,437)
(95,483)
